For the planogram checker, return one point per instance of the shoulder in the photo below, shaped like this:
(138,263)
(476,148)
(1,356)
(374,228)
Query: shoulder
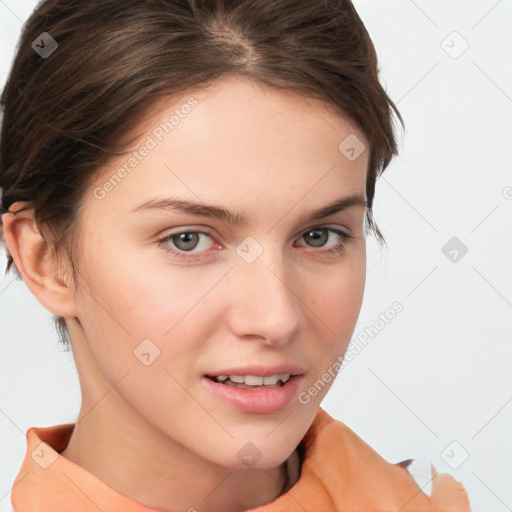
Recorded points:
(415,478)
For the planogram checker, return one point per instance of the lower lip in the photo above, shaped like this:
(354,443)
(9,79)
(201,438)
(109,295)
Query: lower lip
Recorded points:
(257,400)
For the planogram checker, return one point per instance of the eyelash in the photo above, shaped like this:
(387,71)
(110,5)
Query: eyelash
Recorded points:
(183,255)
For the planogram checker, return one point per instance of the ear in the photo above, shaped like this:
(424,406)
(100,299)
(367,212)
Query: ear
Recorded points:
(38,266)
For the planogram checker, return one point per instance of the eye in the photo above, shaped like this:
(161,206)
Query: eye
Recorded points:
(188,240)
(320,234)
(185,241)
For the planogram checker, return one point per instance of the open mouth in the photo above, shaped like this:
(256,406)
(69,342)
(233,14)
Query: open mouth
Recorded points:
(251,381)
(255,394)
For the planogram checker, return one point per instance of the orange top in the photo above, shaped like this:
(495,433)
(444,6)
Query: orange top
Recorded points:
(338,472)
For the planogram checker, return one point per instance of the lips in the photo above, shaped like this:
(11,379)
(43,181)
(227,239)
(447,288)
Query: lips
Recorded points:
(257,399)
(259,370)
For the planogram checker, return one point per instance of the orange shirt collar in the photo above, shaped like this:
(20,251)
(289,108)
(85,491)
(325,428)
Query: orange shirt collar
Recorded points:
(339,471)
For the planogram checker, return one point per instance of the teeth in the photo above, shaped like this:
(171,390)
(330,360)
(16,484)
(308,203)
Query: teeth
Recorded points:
(254,380)
(250,380)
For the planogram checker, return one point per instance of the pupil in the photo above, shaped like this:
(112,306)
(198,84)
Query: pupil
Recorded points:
(322,235)
(186,238)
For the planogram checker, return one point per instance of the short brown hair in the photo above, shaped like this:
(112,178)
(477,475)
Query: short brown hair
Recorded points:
(64,115)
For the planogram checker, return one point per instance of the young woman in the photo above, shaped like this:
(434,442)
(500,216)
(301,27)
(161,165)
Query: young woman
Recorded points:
(187,187)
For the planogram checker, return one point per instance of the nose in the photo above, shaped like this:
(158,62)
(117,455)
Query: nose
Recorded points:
(265,304)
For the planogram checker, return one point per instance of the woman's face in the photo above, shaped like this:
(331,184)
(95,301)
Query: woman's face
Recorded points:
(160,310)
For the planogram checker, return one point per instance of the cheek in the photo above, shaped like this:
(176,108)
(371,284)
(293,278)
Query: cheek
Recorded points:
(334,303)
(141,298)
(336,295)
(133,317)
(334,310)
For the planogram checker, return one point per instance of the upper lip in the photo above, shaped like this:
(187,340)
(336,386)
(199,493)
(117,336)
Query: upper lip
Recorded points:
(260,370)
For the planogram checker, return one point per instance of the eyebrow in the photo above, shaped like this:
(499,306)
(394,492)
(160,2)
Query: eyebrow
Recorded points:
(220,213)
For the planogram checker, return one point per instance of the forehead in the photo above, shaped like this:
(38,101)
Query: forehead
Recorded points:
(239,140)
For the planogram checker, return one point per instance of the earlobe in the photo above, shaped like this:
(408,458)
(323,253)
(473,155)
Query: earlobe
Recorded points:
(38,267)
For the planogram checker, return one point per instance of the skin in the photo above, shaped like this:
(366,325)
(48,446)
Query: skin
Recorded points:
(155,433)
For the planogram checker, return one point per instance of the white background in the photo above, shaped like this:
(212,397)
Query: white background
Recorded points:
(440,370)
